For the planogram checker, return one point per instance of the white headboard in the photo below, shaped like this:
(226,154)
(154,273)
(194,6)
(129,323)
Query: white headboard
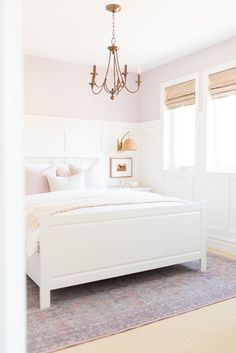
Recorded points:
(83,161)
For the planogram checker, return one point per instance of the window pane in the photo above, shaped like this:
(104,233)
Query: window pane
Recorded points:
(227,127)
(184,136)
(221,142)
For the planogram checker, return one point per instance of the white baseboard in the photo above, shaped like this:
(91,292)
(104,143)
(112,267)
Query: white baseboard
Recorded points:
(221,244)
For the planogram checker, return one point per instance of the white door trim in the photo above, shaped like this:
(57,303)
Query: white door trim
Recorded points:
(12,259)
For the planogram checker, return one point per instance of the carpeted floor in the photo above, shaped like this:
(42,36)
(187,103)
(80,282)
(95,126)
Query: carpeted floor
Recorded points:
(86,312)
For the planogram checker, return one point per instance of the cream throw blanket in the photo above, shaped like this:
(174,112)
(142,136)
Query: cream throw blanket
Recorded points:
(55,208)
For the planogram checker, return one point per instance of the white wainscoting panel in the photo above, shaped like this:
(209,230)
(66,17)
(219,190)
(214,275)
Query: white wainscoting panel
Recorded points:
(66,137)
(179,186)
(220,192)
(151,161)
(232,205)
(40,140)
(82,141)
(215,191)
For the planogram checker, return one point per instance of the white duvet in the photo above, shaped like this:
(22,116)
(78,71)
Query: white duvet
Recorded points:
(89,202)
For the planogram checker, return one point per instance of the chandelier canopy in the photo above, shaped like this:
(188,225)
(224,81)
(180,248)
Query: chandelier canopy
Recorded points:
(119,78)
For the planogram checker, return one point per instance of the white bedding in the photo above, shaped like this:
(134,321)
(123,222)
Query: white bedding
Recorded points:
(32,201)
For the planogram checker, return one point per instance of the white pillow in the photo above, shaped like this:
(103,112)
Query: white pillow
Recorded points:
(63,170)
(94,175)
(74,182)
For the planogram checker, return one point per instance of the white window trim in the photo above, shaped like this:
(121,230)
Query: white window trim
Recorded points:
(179,171)
(203,138)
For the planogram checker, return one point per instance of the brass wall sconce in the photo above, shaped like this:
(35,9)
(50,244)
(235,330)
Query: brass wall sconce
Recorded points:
(126,144)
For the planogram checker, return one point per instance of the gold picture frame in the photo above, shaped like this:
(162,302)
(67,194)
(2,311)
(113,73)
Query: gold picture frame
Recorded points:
(121,167)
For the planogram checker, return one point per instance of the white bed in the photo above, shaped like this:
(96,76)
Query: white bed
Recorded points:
(96,243)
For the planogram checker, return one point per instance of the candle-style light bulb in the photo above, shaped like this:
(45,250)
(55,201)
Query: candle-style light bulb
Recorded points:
(139,70)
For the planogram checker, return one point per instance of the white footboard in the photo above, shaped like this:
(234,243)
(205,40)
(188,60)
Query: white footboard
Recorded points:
(76,249)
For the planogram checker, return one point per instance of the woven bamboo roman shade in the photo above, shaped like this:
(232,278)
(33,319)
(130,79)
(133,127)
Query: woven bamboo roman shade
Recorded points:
(223,83)
(179,95)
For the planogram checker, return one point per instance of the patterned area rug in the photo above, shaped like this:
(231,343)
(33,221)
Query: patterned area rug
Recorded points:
(86,312)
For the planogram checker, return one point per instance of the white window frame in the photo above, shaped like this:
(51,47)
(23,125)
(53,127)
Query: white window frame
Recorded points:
(203,138)
(172,169)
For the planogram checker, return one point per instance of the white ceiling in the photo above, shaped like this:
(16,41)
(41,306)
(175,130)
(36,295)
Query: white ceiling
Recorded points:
(149,32)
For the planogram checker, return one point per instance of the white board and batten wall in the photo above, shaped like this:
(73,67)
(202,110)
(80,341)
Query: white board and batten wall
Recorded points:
(69,137)
(51,136)
(219,190)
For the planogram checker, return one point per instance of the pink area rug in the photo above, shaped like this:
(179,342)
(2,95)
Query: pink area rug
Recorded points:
(87,312)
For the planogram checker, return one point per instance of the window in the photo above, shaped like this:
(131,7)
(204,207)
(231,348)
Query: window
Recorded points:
(179,127)
(221,122)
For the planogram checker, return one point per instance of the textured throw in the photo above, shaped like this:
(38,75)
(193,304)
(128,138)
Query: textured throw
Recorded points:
(89,311)
(32,219)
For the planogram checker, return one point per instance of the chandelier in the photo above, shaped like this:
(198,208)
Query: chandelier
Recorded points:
(118,78)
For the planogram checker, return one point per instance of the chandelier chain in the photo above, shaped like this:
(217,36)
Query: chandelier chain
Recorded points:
(113,39)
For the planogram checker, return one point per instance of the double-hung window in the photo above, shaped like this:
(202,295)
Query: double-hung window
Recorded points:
(179,126)
(221,122)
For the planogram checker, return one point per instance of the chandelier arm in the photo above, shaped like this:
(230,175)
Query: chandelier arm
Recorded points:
(119,74)
(94,84)
(105,78)
(99,91)
(124,82)
(130,91)
(118,81)
(107,89)
(106,74)
(114,73)
(98,86)
(118,86)
(108,66)
(118,65)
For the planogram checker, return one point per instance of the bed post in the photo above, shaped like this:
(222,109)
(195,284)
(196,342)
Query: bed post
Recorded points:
(45,263)
(203,259)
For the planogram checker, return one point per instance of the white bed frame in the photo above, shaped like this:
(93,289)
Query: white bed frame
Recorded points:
(76,250)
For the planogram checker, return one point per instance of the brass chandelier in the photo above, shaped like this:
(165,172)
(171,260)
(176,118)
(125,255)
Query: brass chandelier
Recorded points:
(119,78)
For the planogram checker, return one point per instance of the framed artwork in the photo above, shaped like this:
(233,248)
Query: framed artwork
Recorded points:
(121,167)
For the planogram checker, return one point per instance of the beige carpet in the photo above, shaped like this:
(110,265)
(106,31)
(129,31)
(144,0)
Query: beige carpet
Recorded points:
(207,330)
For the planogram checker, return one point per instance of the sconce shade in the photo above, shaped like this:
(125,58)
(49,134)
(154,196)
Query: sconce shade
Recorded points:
(129,145)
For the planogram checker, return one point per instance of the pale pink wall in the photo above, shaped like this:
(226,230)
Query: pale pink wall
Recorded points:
(149,96)
(57,88)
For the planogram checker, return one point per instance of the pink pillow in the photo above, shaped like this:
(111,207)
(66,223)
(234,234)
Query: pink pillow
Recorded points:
(94,177)
(36,178)
(63,170)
